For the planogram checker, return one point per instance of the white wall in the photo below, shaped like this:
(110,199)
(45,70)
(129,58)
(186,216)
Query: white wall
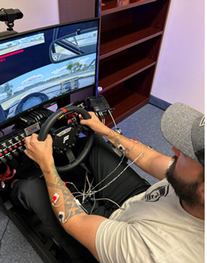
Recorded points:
(37,13)
(180,71)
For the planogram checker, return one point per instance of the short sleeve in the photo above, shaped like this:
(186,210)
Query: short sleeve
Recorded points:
(120,242)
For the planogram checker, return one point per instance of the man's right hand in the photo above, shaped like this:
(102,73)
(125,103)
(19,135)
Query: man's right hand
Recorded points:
(39,151)
(95,124)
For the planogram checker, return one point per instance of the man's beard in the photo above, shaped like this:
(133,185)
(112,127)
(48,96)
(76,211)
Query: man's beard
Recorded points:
(186,191)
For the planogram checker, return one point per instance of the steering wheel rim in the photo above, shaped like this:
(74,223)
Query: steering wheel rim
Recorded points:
(58,115)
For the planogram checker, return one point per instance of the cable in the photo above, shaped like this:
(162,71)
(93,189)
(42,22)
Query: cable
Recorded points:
(110,172)
(102,117)
(91,191)
(112,118)
(62,201)
(94,204)
(4,232)
(89,186)
(97,199)
(142,153)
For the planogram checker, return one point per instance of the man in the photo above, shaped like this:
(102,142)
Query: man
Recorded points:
(164,223)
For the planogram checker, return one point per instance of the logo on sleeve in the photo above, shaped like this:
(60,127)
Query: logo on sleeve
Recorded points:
(156,194)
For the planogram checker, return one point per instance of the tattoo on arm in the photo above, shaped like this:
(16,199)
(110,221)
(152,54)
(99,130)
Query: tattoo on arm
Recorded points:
(116,141)
(70,206)
(45,172)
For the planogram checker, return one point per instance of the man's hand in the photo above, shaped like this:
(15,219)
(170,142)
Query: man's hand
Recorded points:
(95,124)
(39,151)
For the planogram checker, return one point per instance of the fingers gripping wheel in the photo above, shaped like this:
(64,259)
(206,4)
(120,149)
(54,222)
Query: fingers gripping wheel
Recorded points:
(73,161)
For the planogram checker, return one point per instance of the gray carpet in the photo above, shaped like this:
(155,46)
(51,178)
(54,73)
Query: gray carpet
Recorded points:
(144,125)
(14,246)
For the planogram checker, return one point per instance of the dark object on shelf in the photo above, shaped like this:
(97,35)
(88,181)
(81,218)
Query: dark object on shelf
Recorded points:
(99,104)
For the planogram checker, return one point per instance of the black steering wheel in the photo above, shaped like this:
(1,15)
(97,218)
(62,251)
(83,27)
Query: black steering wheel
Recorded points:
(65,137)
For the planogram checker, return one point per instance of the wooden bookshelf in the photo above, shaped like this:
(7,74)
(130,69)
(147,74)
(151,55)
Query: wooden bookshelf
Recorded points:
(131,33)
(130,39)
(112,6)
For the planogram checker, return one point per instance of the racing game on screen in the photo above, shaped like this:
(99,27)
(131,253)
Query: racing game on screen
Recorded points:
(44,65)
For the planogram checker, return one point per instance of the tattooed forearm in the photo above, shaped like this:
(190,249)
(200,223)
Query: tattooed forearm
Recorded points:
(45,171)
(115,138)
(54,172)
(57,186)
(67,202)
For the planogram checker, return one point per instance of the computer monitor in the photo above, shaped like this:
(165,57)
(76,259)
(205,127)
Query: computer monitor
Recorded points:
(42,66)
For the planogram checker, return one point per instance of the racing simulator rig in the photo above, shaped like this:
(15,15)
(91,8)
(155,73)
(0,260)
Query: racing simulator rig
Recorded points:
(42,72)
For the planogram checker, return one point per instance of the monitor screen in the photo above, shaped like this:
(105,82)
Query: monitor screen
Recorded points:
(42,66)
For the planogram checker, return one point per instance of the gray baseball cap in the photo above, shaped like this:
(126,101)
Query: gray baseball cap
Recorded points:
(184,128)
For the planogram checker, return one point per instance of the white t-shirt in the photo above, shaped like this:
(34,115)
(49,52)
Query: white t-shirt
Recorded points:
(152,227)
